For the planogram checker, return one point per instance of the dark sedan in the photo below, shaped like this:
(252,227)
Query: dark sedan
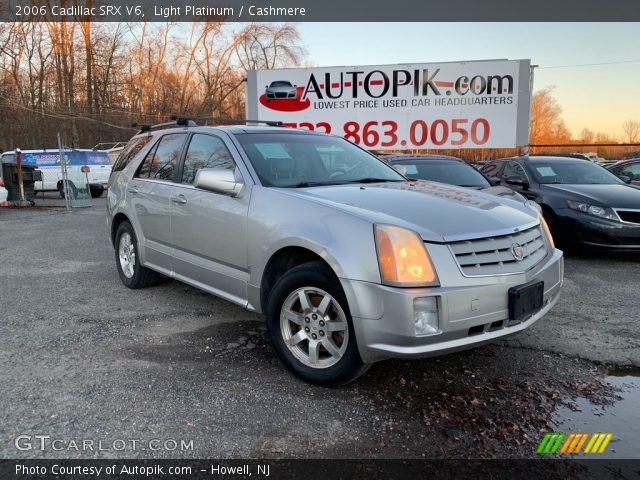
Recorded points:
(446,169)
(583,203)
(627,168)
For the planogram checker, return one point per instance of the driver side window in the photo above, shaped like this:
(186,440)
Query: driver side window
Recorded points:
(513,169)
(205,151)
(632,171)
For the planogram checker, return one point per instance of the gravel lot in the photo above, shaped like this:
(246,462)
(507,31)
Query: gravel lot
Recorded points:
(84,358)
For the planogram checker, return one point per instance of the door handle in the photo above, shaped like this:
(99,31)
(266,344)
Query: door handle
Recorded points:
(133,189)
(179,199)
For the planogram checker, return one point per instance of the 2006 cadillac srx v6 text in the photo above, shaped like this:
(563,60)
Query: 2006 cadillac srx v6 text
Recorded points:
(350,262)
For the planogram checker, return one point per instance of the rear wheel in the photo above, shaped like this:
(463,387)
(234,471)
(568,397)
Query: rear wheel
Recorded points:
(96,192)
(131,272)
(310,326)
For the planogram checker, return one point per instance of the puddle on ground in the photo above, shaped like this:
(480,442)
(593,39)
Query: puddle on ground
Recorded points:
(622,418)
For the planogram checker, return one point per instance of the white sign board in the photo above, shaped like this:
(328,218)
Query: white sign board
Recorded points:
(481,104)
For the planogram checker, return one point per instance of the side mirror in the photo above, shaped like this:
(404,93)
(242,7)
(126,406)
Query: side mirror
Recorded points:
(516,181)
(218,180)
(624,178)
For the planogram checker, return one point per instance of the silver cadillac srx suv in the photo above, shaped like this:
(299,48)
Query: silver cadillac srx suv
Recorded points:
(349,261)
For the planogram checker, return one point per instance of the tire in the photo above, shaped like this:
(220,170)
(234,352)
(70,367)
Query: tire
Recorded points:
(132,274)
(96,192)
(73,191)
(326,326)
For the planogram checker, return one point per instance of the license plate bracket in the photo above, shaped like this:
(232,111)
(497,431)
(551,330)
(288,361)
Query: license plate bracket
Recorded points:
(525,300)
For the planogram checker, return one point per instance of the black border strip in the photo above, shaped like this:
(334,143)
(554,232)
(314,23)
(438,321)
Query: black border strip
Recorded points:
(541,468)
(327,11)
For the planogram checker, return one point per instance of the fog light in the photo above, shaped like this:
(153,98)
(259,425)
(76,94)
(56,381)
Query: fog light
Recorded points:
(425,316)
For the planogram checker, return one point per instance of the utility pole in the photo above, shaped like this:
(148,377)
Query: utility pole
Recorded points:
(526,148)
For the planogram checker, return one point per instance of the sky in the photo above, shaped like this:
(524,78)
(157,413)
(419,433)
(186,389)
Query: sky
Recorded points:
(597,97)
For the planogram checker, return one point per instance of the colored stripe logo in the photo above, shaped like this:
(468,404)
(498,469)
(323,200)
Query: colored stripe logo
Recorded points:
(573,443)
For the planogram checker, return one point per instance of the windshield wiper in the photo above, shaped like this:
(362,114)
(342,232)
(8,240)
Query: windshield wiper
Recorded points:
(372,180)
(310,184)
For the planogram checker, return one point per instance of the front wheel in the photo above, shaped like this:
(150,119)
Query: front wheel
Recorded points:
(310,326)
(131,272)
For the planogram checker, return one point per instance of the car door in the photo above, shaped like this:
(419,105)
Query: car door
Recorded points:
(209,230)
(150,201)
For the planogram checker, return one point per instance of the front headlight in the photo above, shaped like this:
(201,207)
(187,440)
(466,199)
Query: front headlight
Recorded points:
(403,258)
(596,211)
(547,232)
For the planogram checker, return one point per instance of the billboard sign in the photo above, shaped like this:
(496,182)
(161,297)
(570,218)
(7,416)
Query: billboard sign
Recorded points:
(479,104)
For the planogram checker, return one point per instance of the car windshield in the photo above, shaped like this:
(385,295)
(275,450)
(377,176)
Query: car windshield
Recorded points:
(298,160)
(451,172)
(281,84)
(576,173)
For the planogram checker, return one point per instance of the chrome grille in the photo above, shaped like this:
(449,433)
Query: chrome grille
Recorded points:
(493,255)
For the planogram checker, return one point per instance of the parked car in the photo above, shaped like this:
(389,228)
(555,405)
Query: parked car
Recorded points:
(627,168)
(450,170)
(583,203)
(350,262)
(280,90)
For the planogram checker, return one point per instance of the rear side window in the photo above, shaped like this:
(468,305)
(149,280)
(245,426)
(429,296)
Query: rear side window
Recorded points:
(205,151)
(493,169)
(161,161)
(129,153)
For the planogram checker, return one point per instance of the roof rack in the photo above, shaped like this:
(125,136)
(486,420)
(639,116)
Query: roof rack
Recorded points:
(176,122)
(234,121)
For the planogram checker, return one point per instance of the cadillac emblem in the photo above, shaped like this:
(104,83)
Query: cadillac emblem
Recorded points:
(517,252)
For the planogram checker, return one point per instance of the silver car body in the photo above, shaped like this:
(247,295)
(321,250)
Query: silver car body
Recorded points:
(222,244)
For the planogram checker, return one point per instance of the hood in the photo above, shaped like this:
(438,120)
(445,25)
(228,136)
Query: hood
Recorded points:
(438,212)
(616,196)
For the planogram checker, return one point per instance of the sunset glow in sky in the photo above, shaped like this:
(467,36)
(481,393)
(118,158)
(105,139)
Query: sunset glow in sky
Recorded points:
(599,97)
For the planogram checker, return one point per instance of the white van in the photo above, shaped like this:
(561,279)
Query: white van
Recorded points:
(82,165)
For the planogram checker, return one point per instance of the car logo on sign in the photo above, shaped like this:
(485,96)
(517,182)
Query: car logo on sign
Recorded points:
(517,251)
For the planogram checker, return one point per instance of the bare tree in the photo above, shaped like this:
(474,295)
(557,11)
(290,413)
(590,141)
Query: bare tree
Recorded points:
(631,129)
(269,46)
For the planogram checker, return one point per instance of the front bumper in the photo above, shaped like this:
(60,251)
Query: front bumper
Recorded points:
(281,95)
(590,231)
(469,315)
